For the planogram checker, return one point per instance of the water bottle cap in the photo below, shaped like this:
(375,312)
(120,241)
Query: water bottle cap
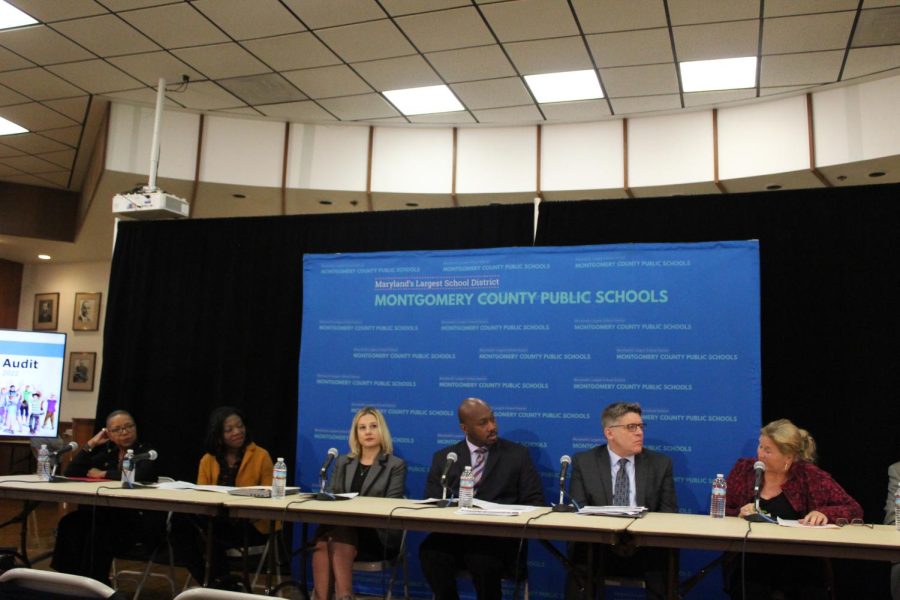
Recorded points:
(43,446)
(280,459)
(719,475)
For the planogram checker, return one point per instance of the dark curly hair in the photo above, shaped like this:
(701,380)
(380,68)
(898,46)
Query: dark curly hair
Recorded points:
(216,429)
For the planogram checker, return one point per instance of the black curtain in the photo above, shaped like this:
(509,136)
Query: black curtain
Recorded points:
(206,312)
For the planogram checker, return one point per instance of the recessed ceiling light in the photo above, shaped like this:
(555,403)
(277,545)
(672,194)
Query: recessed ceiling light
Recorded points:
(565,87)
(719,74)
(10,17)
(424,100)
(876,174)
(44,256)
(10,128)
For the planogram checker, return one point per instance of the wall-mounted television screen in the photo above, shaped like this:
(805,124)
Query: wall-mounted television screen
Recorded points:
(31,378)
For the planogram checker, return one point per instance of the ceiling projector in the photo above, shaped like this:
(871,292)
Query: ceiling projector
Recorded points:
(148,204)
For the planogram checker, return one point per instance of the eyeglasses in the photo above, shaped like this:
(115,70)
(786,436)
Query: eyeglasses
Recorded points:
(855,522)
(121,429)
(632,427)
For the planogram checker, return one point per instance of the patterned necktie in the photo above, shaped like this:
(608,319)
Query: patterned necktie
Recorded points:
(478,467)
(620,494)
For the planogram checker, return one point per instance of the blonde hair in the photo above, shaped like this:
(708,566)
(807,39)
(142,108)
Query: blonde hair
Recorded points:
(387,445)
(791,440)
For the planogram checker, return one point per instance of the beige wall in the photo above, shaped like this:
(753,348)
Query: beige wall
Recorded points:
(67,279)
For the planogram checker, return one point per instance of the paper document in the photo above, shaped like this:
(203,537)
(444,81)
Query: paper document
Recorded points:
(187,485)
(613,511)
(492,509)
(796,523)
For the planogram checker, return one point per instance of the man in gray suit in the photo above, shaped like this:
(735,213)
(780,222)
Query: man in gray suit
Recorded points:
(889,516)
(622,472)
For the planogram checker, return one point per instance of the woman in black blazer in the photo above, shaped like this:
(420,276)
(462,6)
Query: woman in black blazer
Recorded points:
(369,469)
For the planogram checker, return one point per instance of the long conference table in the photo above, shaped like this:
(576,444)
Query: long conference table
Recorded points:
(731,534)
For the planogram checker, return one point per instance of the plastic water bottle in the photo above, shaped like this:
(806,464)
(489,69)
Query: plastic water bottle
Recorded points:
(717,498)
(466,488)
(128,469)
(279,478)
(897,508)
(43,463)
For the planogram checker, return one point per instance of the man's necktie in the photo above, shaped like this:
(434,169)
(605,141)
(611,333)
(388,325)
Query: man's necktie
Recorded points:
(478,467)
(620,494)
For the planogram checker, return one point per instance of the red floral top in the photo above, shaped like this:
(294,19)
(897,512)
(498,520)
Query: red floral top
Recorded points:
(807,488)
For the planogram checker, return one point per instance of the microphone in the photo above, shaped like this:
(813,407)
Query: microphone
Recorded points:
(67,448)
(451,460)
(564,462)
(760,468)
(332,454)
(149,455)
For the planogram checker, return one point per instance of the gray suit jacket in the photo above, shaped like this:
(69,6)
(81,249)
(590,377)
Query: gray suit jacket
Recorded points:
(386,478)
(654,487)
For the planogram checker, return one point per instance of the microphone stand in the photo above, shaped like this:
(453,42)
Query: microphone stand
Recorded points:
(562,507)
(327,496)
(444,502)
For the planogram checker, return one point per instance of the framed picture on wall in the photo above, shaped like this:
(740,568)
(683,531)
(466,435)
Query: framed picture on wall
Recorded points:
(81,371)
(87,311)
(46,311)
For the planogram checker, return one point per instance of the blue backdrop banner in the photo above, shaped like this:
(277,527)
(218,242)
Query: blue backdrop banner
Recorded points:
(547,336)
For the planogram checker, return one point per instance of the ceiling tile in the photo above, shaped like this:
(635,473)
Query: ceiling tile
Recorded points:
(583,110)
(687,12)
(269,17)
(783,90)
(35,117)
(206,95)
(221,60)
(519,20)
(42,45)
(269,88)
(601,16)
(354,108)
(444,118)
(32,143)
(485,62)
(780,8)
(71,107)
(642,104)
(717,40)
(398,73)
(95,76)
(515,114)
(143,96)
(406,7)
(30,164)
(148,68)
(59,178)
(8,96)
(26,179)
(642,47)
(8,151)
(446,29)
(70,136)
(297,111)
(695,99)
(329,13)
(289,52)
(865,61)
(646,80)
(175,25)
(807,33)
(367,41)
(878,27)
(117,5)
(492,93)
(10,61)
(63,158)
(549,56)
(327,82)
(799,69)
(106,35)
(55,11)
(39,84)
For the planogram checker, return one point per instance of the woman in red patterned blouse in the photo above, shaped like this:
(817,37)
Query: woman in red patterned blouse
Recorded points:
(793,487)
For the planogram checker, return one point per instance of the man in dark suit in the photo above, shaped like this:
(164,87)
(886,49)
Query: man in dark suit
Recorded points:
(507,476)
(622,472)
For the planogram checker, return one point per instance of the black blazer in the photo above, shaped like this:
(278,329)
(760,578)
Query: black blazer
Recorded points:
(106,458)
(654,487)
(509,475)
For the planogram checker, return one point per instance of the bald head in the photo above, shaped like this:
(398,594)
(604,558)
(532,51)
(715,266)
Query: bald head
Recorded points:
(476,419)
